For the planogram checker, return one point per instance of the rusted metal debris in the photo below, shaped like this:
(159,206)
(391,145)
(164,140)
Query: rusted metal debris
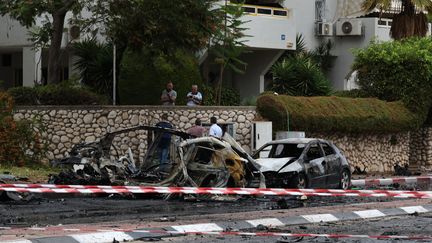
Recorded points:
(204,162)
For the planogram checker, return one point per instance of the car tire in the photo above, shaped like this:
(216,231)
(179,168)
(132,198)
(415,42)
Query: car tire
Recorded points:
(299,181)
(345,180)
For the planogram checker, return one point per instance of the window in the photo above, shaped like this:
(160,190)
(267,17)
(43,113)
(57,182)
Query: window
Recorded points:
(382,22)
(287,150)
(278,152)
(327,149)
(203,155)
(264,11)
(320,6)
(280,13)
(314,152)
(249,10)
(6,60)
(264,152)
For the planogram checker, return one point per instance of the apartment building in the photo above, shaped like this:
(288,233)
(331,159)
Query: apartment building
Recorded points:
(271,30)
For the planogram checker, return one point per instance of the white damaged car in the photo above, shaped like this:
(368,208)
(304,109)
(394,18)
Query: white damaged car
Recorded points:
(303,163)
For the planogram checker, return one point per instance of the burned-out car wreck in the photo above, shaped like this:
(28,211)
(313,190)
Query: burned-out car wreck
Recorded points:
(204,162)
(303,163)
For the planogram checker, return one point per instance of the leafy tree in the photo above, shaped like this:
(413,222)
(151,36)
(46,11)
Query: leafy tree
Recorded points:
(227,44)
(159,28)
(95,64)
(397,70)
(163,26)
(410,19)
(299,76)
(53,13)
(300,72)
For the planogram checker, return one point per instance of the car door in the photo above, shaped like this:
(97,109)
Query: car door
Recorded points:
(333,164)
(315,165)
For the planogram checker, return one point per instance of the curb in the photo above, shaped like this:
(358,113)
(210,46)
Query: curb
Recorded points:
(135,234)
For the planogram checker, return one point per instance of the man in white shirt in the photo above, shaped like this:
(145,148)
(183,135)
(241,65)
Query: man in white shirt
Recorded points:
(215,130)
(194,97)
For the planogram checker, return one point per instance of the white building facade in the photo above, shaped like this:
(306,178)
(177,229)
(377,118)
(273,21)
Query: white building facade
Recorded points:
(271,29)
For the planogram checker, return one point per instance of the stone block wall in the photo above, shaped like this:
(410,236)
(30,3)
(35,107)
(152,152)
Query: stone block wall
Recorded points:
(421,152)
(66,126)
(372,152)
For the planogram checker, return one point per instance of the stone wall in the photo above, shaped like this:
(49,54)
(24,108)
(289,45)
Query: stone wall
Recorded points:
(371,152)
(66,126)
(421,152)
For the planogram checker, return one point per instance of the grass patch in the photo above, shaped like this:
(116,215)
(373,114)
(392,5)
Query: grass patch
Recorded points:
(337,114)
(38,173)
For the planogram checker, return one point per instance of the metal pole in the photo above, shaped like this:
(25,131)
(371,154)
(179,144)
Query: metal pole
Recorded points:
(114,73)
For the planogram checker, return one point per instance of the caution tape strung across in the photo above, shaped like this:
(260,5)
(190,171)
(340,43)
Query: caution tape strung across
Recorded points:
(390,181)
(97,189)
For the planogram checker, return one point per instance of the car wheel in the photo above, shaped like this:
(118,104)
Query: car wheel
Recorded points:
(299,181)
(345,181)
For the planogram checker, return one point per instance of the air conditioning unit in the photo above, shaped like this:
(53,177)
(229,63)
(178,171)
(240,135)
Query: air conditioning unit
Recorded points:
(349,27)
(324,29)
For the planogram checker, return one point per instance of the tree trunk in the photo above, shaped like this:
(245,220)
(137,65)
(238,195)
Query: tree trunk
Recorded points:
(219,85)
(54,62)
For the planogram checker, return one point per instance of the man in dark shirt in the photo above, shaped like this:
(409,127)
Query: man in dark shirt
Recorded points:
(165,142)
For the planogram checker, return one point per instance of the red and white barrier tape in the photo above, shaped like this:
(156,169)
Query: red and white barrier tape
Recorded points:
(390,181)
(96,189)
(234,233)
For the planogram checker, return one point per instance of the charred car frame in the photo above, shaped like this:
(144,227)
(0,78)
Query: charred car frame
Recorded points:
(204,162)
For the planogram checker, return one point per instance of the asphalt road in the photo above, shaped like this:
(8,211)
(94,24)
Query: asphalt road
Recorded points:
(113,211)
(43,211)
(407,225)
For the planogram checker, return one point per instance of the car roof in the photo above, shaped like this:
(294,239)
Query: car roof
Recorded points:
(295,140)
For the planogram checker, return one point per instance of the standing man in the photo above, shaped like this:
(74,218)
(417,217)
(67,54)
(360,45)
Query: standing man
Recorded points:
(169,95)
(215,129)
(194,97)
(165,141)
(197,130)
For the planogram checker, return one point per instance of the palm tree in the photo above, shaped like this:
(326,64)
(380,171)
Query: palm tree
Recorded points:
(409,16)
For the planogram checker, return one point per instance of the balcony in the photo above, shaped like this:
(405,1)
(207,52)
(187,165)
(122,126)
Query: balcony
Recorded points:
(269,28)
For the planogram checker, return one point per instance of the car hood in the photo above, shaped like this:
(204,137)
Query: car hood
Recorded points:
(273,164)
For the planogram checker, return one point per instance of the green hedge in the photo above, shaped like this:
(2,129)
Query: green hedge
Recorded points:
(397,70)
(65,93)
(336,114)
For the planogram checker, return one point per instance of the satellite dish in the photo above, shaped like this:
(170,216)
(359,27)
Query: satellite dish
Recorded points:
(347,27)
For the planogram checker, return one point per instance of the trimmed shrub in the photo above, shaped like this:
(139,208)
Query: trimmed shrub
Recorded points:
(353,93)
(20,142)
(230,96)
(143,76)
(336,114)
(24,95)
(64,93)
(398,70)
